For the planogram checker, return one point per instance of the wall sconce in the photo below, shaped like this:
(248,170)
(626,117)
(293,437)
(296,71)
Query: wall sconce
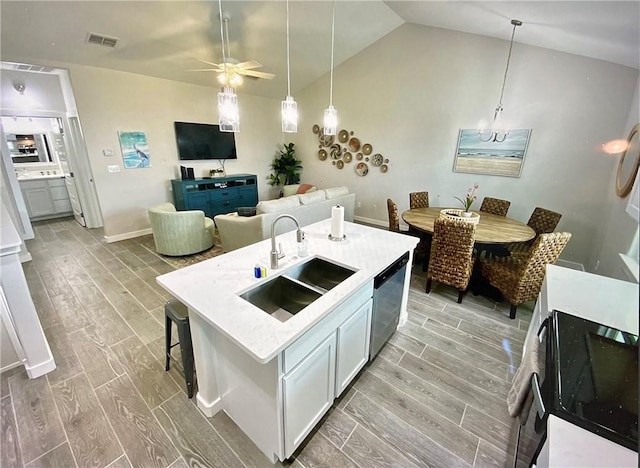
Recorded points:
(19,86)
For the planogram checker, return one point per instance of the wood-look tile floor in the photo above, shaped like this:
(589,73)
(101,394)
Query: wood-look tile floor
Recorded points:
(435,396)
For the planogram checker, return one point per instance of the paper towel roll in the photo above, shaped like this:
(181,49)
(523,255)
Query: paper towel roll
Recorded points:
(337,222)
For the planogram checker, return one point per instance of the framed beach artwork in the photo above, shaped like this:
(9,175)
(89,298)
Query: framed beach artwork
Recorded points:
(135,149)
(492,158)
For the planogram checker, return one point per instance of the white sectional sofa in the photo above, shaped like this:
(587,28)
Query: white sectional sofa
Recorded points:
(238,231)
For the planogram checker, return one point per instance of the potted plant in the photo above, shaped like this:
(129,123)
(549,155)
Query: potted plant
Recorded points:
(286,167)
(468,200)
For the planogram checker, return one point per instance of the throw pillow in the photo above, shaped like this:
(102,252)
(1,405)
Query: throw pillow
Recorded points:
(288,190)
(271,206)
(304,188)
(313,197)
(336,192)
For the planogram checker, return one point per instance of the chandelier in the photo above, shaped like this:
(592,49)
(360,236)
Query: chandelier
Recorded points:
(498,133)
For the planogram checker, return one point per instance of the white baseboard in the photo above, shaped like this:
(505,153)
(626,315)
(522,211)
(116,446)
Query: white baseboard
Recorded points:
(127,235)
(374,222)
(41,368)
(572,265)
(209,408)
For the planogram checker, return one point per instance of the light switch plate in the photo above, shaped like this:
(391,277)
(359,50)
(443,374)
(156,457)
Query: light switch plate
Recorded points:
(113,168)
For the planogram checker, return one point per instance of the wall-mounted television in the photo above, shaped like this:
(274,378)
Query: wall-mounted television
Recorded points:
(204,141)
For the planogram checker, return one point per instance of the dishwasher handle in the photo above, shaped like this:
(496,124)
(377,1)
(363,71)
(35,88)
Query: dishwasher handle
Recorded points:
(390,271)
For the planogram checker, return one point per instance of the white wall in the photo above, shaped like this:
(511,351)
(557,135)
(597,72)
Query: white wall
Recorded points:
(617,227)
(42,94)
(108,101)
(410,93)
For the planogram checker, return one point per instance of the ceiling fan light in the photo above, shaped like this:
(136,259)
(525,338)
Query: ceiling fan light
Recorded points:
(228,112)
(289,115)
(330,120)
(222,79)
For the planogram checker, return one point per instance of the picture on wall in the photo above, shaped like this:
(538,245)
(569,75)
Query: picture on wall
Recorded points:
(135,149)
(493,158)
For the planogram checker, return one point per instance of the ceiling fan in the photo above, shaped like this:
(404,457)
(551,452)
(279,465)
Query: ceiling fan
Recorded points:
(230,71)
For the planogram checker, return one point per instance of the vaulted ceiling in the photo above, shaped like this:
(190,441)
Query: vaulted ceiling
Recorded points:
(166,38)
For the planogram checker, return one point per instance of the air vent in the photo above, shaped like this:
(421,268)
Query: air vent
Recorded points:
(99,39)
(33,68)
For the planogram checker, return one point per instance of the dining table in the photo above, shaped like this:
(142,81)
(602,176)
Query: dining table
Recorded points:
(491,229)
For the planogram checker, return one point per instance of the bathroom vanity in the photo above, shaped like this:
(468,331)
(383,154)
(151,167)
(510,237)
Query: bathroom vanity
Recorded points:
(274,352)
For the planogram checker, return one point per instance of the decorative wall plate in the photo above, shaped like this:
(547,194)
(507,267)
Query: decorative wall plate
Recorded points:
(340,164)
(335,151)
(343,136)
(325,140)
(316,129)
(386,161)
(377,160)
(322,155)
(347,157)
(367,149)
(354,144)
(359,156)
(362,169)
(384,168)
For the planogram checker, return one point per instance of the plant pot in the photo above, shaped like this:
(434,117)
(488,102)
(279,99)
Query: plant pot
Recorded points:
(466,214)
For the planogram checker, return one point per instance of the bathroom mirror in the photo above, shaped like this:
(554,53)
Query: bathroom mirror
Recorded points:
(32,140)
(629,162)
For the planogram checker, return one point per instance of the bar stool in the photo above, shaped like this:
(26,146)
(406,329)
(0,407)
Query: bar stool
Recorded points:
(177,312)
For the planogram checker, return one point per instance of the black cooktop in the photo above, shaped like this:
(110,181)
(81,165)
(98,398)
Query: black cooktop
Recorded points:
(595,377)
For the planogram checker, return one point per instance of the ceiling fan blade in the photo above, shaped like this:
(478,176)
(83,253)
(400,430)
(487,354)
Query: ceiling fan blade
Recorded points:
(248,65)
(205,70)
(256,74)
(209,63)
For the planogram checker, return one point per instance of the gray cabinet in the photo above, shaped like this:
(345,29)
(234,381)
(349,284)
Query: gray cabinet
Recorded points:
(46,198)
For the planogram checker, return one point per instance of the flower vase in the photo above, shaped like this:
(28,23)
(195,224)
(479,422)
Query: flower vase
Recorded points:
(466,214)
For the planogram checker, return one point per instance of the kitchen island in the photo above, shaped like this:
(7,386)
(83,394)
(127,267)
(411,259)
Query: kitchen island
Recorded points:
(275,378)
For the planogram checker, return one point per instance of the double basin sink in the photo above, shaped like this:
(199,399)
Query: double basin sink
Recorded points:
(288,293)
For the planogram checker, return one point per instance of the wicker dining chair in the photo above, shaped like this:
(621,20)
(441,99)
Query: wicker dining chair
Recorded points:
(451,260)
(418,200)
(394,220)
(519,278)
(542,221)
(495,206)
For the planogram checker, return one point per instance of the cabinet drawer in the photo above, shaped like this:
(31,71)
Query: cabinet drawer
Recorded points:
(225,206)
(223,194)
(307,342)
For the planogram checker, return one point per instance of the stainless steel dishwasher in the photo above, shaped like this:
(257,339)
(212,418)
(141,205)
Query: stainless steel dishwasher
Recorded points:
(387,299)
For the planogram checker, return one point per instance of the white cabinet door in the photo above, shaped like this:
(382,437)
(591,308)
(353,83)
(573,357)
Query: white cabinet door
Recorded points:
(353,346)
(308,392)
(38,198)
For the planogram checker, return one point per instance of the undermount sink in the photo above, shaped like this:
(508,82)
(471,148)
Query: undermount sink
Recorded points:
(320,273)
(287,294)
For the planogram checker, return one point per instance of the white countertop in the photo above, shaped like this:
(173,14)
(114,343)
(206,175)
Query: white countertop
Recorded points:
(604,300)
(572,447)
(601,299)
(211,288)
(38,176)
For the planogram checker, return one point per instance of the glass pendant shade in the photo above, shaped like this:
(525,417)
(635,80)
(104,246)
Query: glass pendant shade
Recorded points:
(498,131)
(289,115)
(330,120)
(228,113)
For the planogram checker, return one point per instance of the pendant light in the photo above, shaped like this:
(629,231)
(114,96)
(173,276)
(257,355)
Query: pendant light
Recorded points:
(330,113)
(289,105)
(497,133)
(228,113)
